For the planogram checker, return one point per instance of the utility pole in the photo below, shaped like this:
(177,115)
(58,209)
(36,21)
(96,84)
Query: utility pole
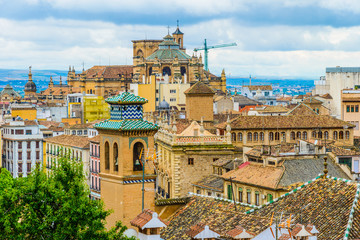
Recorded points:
(232,191)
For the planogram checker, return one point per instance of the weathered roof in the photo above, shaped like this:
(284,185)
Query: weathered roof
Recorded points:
(285,122)
(302,109)
(255,174)
(189,131)
(95,139)
(10,91)
(273,109)
(126,98)
(60,91)
(200,88)
(329,204)
(245,101)
(213,182)
(339,151)
(114,71)
(261,87)
(177,31)
(326,96)
(70,140)
(312,100)
(126,125)
(219,215)
(303,170)
(143,218)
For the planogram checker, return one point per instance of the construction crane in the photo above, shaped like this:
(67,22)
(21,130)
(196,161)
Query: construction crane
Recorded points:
(206,51)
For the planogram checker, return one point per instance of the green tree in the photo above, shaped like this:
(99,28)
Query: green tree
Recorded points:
(54,205)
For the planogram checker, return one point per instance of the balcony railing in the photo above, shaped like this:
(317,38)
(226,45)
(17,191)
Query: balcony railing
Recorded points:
(189,140)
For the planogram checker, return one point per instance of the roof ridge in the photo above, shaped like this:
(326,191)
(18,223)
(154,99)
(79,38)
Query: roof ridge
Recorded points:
(224,200)
(351,216)
(286,194)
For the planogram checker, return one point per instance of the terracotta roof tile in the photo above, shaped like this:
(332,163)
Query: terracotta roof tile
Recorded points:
(70,140)
(143,218)
(95,139)
(285,122)
(199,88)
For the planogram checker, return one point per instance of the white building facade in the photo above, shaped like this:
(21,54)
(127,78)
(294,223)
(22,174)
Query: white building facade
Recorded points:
(22,147)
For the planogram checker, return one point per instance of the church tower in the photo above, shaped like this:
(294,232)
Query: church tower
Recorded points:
(30,86)
(125,141)
(179,37)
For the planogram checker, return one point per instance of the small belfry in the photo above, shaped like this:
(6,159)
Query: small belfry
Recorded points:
(126,140)
(30,86)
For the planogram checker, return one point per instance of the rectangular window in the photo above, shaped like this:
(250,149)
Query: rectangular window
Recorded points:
(29,144)
(240,195)
(191,161)
(20,167)
(257,198)
(347,108)
(173,91)
(356,108)
(28,155)
(248,196)
(12,131)
(28,165)
(172,99)
(20,155)
(37,144)
(37,155)
(269,197)
(19,131)
(352,108)
(28,132)
(19,145)
(229,192)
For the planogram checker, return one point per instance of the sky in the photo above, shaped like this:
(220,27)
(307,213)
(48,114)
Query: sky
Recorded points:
(278,38)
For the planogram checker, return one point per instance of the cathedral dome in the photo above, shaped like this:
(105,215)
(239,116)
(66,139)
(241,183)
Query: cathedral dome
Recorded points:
(164,105)
(30,86)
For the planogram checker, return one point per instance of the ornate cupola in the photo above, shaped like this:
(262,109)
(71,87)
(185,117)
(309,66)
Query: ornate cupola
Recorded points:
(30,86)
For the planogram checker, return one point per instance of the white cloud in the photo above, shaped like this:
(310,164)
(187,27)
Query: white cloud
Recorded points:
(272,50)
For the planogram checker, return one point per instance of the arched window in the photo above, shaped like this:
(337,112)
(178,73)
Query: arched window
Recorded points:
(304,135)
(261,136)
(140,53)
(240,137)
(233,137)
(341,135)
(166,71)
(298,135)
(138,156)
(116,157)
(335,135)
(271,136)
(292,135)
(320,134)
(347,135)
(313,134)
(107,156)
(256,136)
(183,71)
(249,136)
(277,136)
(326,135)
(90,91)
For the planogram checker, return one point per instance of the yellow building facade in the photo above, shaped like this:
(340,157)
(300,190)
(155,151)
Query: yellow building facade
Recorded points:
(350,104)
(26,113)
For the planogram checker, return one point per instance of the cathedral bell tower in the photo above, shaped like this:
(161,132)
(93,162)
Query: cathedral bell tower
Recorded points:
(125,141)
(179,36)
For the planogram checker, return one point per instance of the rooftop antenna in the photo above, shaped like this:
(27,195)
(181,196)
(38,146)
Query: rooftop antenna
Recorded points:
(83,63)
(168,27)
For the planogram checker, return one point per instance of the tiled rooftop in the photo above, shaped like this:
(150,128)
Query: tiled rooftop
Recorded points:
(285,122)
(70,140)
(199,88)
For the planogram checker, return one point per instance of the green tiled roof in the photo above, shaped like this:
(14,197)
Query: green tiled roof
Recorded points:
(126,125)
(126,98)
(162,54)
